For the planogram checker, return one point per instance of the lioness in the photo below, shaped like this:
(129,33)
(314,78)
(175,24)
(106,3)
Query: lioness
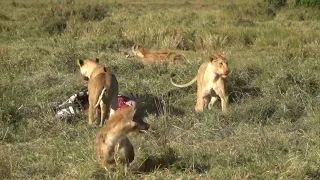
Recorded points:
(112,143)
(102,88)
(211,78)
(153,56)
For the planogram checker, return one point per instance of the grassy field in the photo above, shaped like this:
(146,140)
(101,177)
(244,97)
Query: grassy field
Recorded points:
(272,130)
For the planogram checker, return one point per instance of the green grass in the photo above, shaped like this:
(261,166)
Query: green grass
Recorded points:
(271,132)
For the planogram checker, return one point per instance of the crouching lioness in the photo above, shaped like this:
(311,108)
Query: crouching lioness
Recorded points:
(155,56)
(112,143)
(102,88)
(211,83)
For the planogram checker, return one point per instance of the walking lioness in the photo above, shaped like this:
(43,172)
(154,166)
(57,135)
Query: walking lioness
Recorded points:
(102,88)
(154,56)
(112,143)
(211,78)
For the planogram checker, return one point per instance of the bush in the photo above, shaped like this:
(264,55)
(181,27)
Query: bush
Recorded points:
(308,2)
(94,13)
(55,18)
(56,26)
(277,3)
(57,15)
(4,28)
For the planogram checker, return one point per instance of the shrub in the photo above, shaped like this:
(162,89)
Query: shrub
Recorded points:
(56,27)
(248,38)
(5,170)
(308,2)
(4,28)
(277,3)
(55,18)
(4,17)
(96,12)
(57,15)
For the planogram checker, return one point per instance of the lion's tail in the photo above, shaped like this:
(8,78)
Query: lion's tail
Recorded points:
(184,85)
(100,97)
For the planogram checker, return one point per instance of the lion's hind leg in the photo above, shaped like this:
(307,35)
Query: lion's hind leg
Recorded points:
(212,101)
(114,96)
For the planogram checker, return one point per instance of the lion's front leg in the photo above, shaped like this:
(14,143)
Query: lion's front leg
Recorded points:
(224,103)
(224,100)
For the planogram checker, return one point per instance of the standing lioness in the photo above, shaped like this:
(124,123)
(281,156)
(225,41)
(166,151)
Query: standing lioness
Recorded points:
(102,88)
(211,78)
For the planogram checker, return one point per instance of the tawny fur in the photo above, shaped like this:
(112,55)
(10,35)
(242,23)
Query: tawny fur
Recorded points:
(102,88)
(154,56)
(211,79)
(112,144)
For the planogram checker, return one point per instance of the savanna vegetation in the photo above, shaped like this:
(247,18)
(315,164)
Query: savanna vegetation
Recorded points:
(272,130)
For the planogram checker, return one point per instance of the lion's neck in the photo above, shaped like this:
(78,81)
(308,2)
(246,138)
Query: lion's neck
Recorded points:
(96,70)
(211,73)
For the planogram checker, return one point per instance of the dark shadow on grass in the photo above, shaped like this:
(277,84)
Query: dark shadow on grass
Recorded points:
(176,93)
(239,84)
(313,174)
(13,115)
(156,162)
(168,159)
(150,164)
(99,174)
(194,167)
(157,105)
(73,119)
(5,172)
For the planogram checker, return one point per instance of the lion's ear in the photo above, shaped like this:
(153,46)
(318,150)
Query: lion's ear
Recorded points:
(97,60)
(80,62)
(213,58)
